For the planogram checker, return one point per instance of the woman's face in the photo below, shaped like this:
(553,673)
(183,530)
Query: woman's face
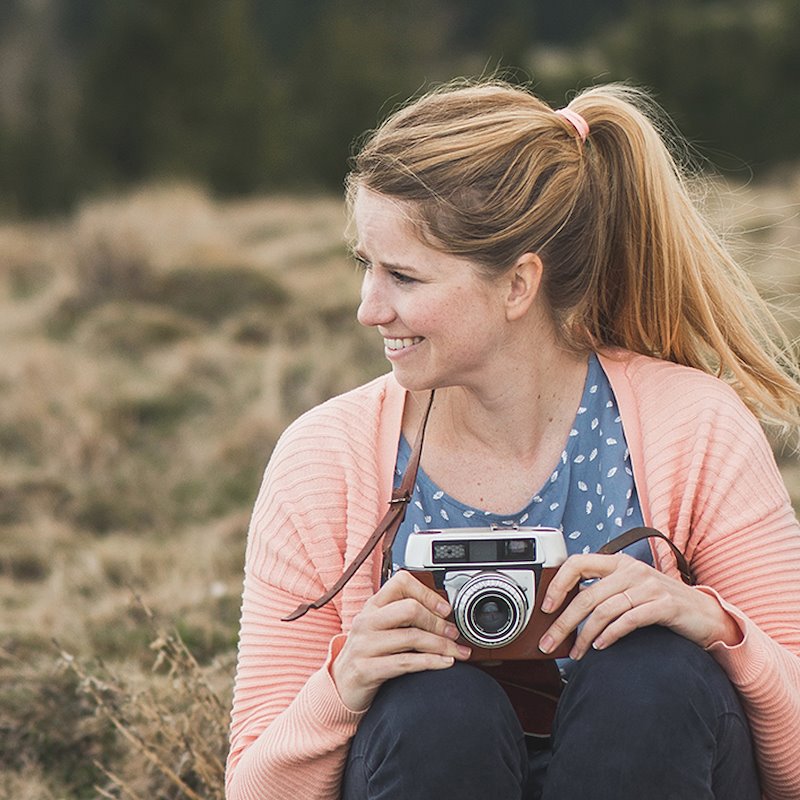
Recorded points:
(442,322)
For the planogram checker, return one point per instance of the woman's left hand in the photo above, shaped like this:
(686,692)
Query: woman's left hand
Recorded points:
(629,594)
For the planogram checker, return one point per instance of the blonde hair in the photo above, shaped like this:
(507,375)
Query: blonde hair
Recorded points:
(493,172)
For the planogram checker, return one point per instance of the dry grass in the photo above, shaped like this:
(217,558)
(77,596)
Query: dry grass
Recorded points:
(153,348)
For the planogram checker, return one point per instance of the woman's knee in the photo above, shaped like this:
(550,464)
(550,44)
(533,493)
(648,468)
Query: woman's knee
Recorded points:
(448,733)
(651,710)
(653,665)
(651,674)
(459,698)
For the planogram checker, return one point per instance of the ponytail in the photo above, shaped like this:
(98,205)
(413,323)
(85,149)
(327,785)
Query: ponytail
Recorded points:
(663,282)
(493,172)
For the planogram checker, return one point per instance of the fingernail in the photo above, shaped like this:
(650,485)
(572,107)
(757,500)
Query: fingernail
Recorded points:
(546,644)
(547,605)
(464,652)
(443,609)
(451,632)
(598,644)
(575,654)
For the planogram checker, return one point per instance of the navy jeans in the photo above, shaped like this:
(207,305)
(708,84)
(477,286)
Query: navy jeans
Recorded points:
(652,716)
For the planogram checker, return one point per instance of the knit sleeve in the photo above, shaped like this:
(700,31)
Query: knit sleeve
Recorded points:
(733,517)
(289,728)
(748,550)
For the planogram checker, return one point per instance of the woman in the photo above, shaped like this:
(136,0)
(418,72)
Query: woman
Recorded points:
(548,275)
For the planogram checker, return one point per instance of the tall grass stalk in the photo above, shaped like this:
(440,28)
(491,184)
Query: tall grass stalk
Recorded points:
(174,729)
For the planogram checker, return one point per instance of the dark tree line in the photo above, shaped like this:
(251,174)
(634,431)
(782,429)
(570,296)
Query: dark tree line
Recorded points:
(260,95)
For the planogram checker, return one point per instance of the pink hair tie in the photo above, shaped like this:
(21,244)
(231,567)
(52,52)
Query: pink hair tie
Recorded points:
(577,121)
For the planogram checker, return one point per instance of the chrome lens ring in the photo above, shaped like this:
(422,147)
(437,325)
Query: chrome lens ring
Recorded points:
(492,587)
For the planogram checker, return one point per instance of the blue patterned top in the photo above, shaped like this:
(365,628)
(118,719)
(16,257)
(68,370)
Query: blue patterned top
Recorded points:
(590,494)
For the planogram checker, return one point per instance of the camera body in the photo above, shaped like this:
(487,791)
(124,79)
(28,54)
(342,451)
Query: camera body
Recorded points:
(495,580)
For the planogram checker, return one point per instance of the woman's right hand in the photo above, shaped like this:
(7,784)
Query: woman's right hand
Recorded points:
(402,628)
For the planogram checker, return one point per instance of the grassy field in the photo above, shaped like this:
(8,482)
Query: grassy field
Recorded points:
(152,348)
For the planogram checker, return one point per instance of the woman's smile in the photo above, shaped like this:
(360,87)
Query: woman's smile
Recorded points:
(395,347)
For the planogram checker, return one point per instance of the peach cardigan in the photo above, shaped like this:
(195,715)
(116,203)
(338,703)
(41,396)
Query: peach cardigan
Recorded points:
(704,473)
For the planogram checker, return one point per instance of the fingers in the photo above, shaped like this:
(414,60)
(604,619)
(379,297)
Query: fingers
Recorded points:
(574,569)
(402,628)
(609,608)
(404,585)
(404,602)
(611,619)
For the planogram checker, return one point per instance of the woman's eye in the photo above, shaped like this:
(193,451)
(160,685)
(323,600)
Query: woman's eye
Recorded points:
(363,265)
(399,277)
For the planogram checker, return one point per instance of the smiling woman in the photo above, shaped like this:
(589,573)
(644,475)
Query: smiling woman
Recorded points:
(599,363)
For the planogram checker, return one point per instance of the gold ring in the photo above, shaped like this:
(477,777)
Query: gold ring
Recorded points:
(628,598)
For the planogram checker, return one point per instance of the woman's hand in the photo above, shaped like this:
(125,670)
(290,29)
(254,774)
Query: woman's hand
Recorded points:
(401,629)
(629,594)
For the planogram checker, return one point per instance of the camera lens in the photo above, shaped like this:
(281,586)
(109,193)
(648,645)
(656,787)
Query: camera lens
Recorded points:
(491,614)
(490,610)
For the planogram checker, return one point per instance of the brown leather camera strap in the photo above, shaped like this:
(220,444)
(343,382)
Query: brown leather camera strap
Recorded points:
(636,535)
(387,527)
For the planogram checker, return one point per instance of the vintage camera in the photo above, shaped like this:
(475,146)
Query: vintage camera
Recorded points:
(495,580)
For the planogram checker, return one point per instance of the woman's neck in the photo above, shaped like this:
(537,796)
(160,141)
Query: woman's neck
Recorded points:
(515,416)
(492,449)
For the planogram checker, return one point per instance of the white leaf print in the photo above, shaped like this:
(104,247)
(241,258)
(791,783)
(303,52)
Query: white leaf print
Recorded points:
(593,454)
(438,495)
(600,526)
(588,506)
(469,513)
(609,511)
(595,423)
(593,389)
(582,486)
(553,506)
(611,473)
(428,519)
(582,410)
(444,514)
(611,440)
(579,459)
(574,534)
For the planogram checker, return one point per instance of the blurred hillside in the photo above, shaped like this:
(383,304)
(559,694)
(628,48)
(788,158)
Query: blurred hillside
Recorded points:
(255,95)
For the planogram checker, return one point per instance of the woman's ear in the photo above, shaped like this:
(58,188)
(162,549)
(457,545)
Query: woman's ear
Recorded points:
(524,280)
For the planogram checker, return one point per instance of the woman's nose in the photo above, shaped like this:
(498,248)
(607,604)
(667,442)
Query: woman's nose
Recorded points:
(374,308)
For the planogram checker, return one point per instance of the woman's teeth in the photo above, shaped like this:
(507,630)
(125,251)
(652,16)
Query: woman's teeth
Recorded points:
(399,344)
